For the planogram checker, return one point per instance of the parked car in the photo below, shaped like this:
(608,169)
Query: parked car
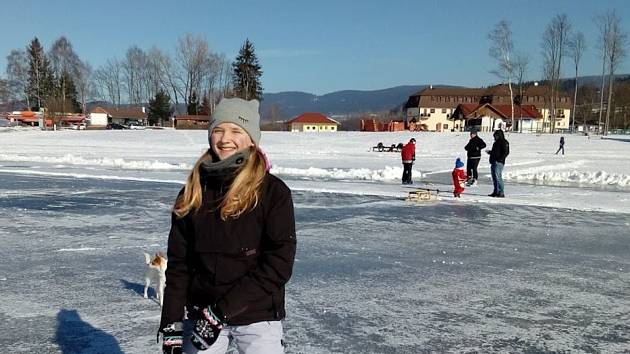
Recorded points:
(136,126)
(80,126)
(115,126)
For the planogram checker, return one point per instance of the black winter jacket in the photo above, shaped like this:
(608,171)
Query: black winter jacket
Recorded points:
(500,150)
(474,147)
(241,265)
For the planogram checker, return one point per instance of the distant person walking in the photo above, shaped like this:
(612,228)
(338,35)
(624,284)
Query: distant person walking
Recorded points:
(408,155)
(561,146)
(500,150)
(473,150)
(459,177)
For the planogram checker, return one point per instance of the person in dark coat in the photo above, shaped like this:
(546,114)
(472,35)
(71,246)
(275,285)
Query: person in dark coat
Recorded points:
(232,245)
(408,155)
(473,150)
(500,150)
(561,146)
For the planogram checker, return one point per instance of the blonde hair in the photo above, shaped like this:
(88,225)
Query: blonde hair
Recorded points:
(242,195)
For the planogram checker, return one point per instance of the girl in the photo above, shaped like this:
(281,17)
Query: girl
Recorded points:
(231,246)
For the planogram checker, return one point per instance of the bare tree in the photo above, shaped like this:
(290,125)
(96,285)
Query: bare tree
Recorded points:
(17,75)
(604,29)
(213,79)
(65,63)
(132,70)
(170,79)
(156,79)
(615,42)
(521,64)
(192,56)
(576,46)
(226,78)
(501,50)
(108,80)
(62,57)
(622,104)
(83,83)
(554,45)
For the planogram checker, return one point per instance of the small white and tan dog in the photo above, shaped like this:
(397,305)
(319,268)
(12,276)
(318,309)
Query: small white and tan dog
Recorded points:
(156,264)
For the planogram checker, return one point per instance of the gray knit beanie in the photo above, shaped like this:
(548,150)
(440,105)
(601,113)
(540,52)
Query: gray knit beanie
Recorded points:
(240,112)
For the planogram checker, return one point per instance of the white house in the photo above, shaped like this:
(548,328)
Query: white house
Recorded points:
(312,122)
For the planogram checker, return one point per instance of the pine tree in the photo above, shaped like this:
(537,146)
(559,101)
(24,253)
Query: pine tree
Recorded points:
(247,73)
(193,104)
(66,93)
(159,108)
(40,82)
(205,108)
(72,94)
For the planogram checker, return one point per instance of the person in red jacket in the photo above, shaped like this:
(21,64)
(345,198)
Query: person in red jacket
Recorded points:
(408,155)
(459,178)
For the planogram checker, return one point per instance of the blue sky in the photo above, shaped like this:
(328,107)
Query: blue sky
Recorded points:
(316,46)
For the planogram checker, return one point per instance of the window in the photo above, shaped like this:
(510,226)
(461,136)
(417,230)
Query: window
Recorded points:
(443,110)
(432,110)
(445,126)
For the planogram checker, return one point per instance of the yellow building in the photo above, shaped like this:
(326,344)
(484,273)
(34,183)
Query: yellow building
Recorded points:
(432,108)
(312,122)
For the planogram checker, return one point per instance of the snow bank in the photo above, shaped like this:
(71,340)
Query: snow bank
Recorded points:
(389,173)
(70,159)
(594,178)
(568,173)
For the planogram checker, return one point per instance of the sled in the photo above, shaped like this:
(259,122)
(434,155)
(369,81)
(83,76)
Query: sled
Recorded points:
(421,196)
(392,148)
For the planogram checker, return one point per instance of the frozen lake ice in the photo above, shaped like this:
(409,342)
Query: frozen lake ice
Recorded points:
(373,274)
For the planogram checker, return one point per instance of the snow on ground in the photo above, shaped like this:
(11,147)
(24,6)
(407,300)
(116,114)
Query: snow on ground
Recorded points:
(544,270)
(594,174)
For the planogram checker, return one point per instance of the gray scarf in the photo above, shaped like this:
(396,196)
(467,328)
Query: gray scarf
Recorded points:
(225,167)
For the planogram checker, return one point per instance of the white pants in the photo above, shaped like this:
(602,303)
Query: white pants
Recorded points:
(257,338)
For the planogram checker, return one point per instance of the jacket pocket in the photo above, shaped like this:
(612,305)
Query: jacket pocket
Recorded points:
(231,268)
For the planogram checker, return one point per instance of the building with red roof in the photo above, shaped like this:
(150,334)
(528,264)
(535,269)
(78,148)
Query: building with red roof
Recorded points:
(100,116)
(312,122)
(36,119)
(189,121)
(435,106)
(488,117)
